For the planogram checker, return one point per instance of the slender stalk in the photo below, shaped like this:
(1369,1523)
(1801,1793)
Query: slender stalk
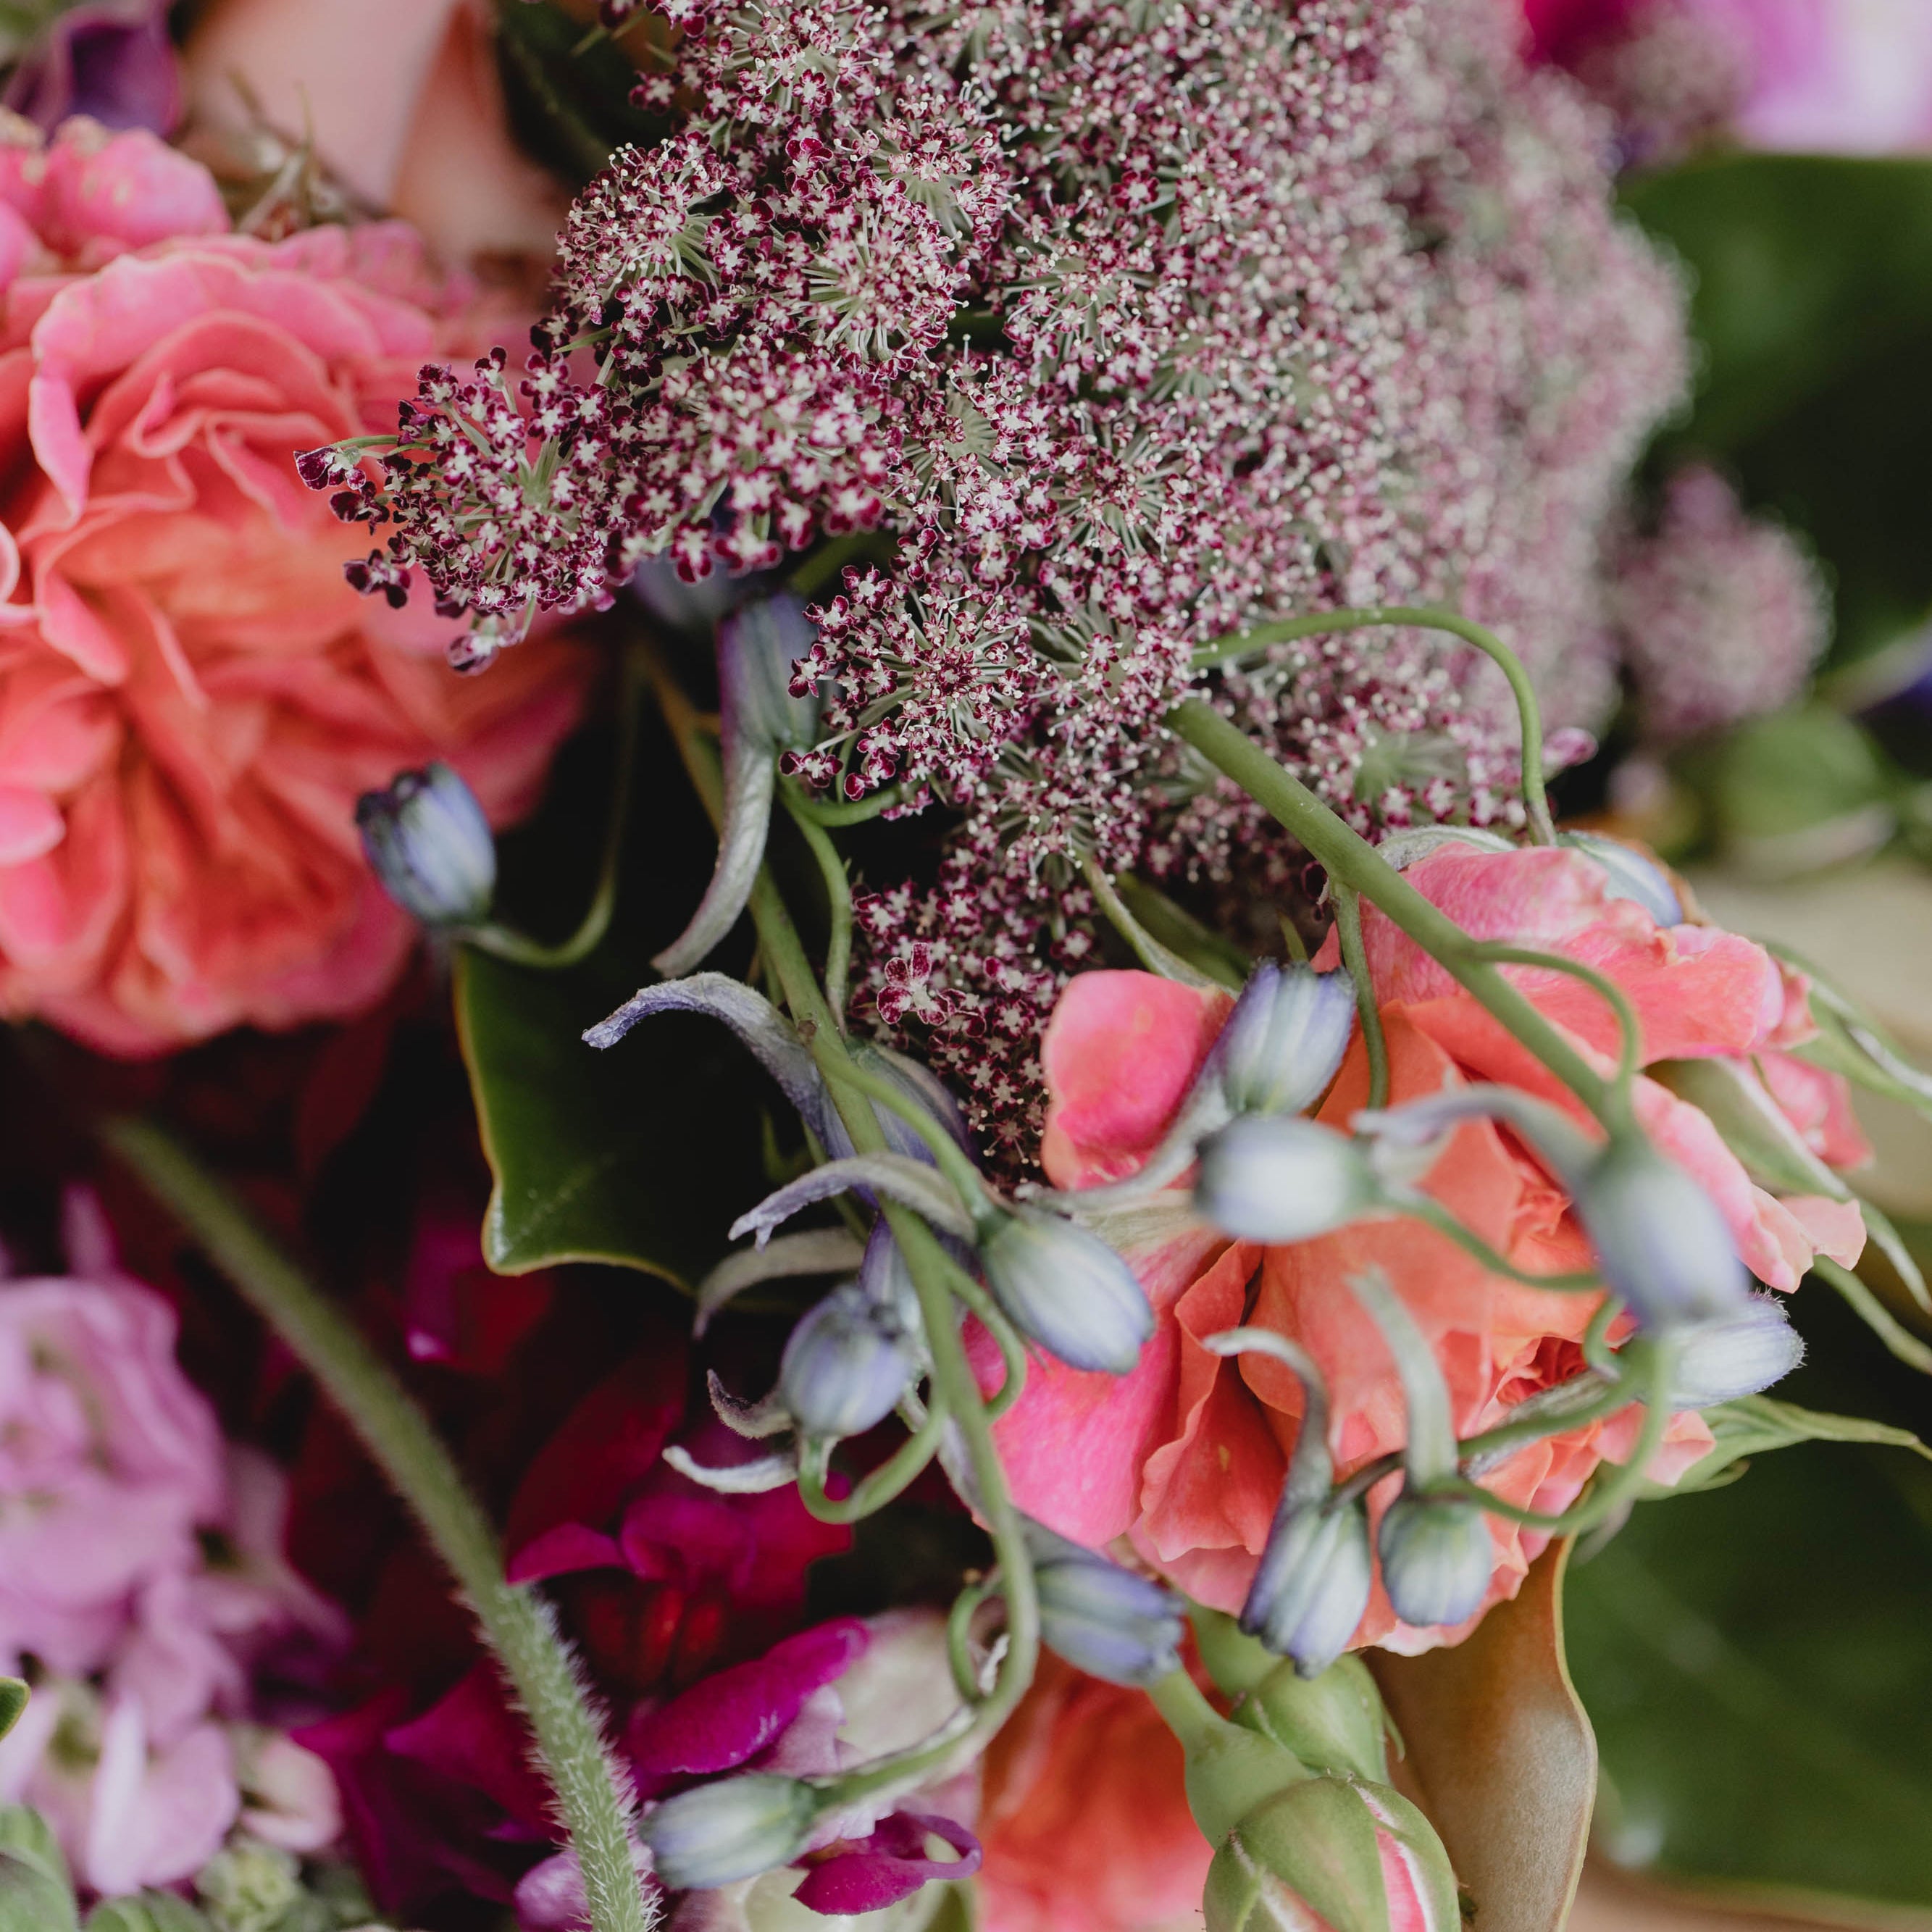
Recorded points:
(1184,1706)
(517,1623)
(1147,949)
(1351,858)
(1424,1208)
(1325,623)
(891,1479)
(507,943)
(1348,929)
(838,898)
(856,813)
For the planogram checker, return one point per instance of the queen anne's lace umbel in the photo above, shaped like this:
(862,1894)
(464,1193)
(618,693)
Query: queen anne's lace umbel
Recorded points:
(1121,327)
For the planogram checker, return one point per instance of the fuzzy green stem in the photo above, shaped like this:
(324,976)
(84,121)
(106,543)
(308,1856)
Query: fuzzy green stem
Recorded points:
(1348,930)
(1350,858)
(519,948)
(1323,623)
(517,1623)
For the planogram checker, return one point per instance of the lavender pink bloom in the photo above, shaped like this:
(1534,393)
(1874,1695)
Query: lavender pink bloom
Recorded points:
(141,1581)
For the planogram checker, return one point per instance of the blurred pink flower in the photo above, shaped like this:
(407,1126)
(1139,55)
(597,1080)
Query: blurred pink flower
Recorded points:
(141,1572)
(1841,76)
(191,696)
(403,103)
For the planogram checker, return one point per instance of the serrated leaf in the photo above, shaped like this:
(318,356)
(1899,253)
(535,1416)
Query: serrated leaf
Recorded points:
(1757,1662)
(1500,1755)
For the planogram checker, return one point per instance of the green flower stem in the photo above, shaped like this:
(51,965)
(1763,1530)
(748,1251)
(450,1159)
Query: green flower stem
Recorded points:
(948,1156)
(953,1386)
(519,948)
(1326,623)
(1629,1052)
(1652,1359)
(958,1631)
(838,898)
(1351,858)
(1348,929)
(1013,1350)
(870,806)
(1420,1207)
(1147,949)
(516,1622)
(1184,1706)
(890,1481)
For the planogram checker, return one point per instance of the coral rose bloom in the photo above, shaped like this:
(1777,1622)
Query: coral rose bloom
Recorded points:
(1187,1455)
(191,698)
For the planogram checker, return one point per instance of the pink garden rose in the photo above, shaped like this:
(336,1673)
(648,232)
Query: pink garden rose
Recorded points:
(191,696)
(141,1577)
(1185,1455)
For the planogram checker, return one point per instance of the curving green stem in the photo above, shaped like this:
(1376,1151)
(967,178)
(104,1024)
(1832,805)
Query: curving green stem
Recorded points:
(953,1386)
(1351,858)
(1147,949)
(890,1481)
(1629,1052)
(856,813)
(592,1792)
(1349,930)
(838,896)
(1420,1207)
(1325,623)
(519,948)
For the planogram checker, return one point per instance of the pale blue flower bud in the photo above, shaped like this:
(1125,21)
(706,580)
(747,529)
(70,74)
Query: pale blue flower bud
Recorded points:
(1284,1040)
(1102,1619)
(1066,1289)
(1277,1178)
(847,1363)
(1438,1557)
(1719,1361)
(1662,1245)
(731,1829)
(1633,875)
(1313,1584)
(429,846)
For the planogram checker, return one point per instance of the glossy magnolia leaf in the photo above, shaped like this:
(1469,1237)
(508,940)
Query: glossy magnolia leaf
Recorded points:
(1499,1755)
(641,1155)
(1756,1660)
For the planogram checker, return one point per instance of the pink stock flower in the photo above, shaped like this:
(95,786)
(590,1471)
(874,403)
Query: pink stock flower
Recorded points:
(191,698)
(141,1578)
(1185,1455)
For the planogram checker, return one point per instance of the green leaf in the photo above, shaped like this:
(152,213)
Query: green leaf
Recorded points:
(625,1156)
(148,1912)
(36,1894)
(13,1702)
(1755,1423)
(1799,790)
(1756,1660)
(569,91)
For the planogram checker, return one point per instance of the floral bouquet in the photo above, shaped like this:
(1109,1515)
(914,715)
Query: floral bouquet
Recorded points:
(1100,1166)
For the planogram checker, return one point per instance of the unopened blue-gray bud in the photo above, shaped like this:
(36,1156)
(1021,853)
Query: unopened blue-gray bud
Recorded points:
(1276,1178)
(1438,1557)
(1313,1584)
(1633,875)
(1662,1245)
(847,1363)
(429,846)
(731,1829)
(1066,1289)
(1285,1039)
(1722,1360)
(1103,1619)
